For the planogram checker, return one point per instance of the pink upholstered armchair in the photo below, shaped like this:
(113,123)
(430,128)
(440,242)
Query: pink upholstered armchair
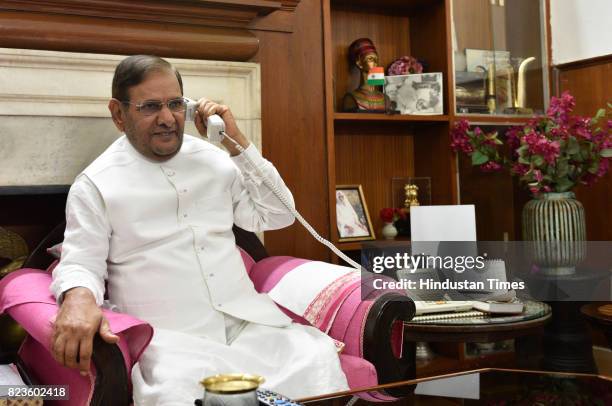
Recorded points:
(371,330)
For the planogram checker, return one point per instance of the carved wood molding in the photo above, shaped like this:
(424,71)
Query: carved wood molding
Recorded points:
(290,5)
(215,13)
(104,35)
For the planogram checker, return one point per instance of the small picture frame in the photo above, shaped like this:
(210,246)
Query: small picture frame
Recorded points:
(352,217)
(415,94)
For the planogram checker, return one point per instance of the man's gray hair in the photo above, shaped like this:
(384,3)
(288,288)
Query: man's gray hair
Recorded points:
(133,70)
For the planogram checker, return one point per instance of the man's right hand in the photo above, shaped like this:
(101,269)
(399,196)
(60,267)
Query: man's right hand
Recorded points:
(78,320)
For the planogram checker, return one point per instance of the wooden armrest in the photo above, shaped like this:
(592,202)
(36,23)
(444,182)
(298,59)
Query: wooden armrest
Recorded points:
(386,310)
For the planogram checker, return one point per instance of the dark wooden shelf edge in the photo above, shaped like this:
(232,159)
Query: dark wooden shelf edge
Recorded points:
(389,117)
(388,6)
(34,190)
(350,246)
(483,119)
(357,245)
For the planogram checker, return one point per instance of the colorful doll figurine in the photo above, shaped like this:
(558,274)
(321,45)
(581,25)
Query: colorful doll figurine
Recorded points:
(366,98)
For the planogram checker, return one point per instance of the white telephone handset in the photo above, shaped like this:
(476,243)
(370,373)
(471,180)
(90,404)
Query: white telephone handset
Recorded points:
(215,126)
(215,131)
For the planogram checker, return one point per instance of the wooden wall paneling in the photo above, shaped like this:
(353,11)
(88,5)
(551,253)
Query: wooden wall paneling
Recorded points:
(472,24)
(372,156)
(590,82)
(491,193)
(430,42)
(390,33)
(281,21)
(104,35)
(328,50)
(434,158)
(499,24)
(229,13)
(293,126)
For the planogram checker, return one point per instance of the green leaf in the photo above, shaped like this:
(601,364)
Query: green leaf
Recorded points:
(564,184)
(594,167)
(538,160)
(572,146)
(562,167)
(523,160)
(606,153)
(478,158)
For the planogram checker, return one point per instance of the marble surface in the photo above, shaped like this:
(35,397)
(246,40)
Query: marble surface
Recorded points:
(54,118)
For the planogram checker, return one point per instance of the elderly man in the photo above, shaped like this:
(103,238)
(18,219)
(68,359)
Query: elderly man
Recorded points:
(153,217)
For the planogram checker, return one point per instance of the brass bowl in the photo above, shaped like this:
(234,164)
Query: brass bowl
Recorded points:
(232,383)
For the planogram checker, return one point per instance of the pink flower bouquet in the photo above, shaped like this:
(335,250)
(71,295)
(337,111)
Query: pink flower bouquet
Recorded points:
(405,65)
(552,153)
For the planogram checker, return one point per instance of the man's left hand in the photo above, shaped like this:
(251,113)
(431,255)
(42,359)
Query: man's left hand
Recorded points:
(207,108)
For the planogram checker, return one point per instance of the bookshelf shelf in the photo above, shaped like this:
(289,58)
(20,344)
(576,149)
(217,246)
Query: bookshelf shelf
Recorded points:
(389,117)
(481,119)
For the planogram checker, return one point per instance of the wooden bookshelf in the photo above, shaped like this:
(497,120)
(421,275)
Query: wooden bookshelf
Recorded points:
(371,149)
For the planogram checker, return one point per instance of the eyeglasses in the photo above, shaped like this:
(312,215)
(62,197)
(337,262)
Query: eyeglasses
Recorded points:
(150,107)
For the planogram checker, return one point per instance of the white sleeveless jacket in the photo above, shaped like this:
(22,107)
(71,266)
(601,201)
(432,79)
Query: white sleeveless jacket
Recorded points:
(171,255)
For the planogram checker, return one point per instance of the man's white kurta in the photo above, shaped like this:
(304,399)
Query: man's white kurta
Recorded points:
(160,233)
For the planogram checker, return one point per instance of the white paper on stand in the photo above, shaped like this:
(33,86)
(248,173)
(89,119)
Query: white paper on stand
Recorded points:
(441,223)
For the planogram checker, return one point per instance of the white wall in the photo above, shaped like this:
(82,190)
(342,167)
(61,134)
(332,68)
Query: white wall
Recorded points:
(581,29)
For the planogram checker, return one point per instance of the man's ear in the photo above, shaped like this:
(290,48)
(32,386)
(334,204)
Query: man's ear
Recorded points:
(117,113)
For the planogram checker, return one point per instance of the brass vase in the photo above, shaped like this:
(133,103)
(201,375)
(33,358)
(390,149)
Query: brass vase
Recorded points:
(555,223)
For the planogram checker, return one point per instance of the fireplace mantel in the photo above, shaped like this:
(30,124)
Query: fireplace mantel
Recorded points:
(54,117)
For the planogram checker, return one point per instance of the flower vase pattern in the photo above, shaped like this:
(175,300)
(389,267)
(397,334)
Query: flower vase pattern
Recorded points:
(555,223)
(389,231)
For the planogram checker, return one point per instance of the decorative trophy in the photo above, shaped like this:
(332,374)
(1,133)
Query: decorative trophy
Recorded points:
(412,192)
(366,98)
(517,88)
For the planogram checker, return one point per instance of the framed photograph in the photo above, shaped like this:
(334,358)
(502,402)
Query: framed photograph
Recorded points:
(415,94)
(352,215)
(477,59)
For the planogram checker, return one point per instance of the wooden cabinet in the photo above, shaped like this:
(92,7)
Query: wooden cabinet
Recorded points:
(371,149)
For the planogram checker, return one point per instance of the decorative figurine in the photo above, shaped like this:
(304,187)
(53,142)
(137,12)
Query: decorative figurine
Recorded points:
(367,97)
(518,88)
(412,192)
